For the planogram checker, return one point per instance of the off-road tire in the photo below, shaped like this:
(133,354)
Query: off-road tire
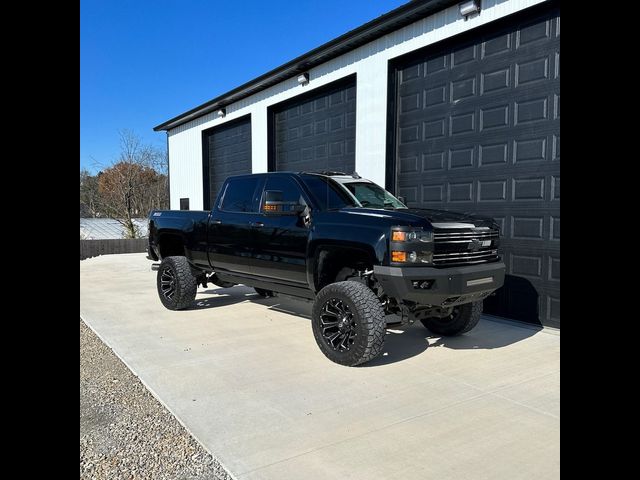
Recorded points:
(263,293)
(369,322)
(185,283)
(463,319)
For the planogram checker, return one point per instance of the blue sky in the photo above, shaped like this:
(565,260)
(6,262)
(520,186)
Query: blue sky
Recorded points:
(143,62)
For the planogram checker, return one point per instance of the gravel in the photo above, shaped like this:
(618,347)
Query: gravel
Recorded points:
(125,433)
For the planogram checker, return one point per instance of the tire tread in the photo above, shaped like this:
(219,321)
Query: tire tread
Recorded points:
(370,315)
(187,284)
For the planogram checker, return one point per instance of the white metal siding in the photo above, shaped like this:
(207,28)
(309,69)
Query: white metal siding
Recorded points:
(369,62)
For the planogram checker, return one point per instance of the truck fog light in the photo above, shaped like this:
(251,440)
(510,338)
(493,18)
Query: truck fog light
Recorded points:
(398,256)
(412,257)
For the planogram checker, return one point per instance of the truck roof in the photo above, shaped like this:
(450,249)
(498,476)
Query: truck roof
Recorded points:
(339,176)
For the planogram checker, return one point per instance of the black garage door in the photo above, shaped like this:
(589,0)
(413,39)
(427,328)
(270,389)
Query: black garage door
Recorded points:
(226,150)
(316,131)
(478,130)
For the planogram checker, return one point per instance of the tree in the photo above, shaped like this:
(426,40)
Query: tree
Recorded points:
(89,195)
(132,186)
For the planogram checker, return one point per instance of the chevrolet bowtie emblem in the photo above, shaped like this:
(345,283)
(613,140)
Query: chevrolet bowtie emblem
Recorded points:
(474,245)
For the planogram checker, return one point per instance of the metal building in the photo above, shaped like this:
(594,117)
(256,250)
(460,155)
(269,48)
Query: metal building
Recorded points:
(452,105)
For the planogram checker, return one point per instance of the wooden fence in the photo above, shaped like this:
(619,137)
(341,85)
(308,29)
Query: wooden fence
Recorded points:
(93,248)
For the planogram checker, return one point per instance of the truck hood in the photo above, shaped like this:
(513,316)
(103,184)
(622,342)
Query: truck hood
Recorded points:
(435,217)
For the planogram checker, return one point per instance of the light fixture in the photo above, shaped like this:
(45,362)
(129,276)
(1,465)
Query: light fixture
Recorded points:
(221,113)
(303,79)
(469,8)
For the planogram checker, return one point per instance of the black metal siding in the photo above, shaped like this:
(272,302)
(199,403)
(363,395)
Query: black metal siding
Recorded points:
(226,150)
(478,130)
(316,131)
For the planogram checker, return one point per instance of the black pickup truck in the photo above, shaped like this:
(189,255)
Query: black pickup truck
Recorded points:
(365,259)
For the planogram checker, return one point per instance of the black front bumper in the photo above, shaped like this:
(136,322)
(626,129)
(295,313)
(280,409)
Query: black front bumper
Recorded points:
(446,286)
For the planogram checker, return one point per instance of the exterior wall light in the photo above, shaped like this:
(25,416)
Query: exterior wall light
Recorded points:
(221,113)
(304,78)
(469,8)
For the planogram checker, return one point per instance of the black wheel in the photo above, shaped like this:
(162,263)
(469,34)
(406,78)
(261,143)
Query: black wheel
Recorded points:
(263,293)
(176,283)
(348,323)
(462,319)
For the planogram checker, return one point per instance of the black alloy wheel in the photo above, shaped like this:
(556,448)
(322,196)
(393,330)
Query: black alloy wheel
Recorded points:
(338,325)
(176,283)
(167,283)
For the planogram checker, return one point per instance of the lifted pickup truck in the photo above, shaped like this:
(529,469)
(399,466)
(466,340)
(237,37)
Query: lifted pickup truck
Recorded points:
(345,243)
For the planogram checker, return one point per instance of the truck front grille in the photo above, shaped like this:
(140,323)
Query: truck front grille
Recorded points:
(456,246)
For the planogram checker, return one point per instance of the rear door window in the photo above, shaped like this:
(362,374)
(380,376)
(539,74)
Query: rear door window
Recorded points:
(240,195)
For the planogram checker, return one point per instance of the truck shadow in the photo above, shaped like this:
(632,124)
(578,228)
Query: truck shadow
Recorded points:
(400,343)
(488,334)
(221,297)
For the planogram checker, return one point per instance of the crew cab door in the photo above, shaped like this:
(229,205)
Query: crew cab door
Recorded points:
(280,238)
(229,233)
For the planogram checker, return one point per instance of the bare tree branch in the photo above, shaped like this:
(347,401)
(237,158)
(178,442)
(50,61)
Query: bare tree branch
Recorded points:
(130,187)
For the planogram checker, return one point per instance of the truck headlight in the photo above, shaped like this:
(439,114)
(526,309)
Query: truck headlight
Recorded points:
(426,236)
(400,236)
(407,245)
(405,234)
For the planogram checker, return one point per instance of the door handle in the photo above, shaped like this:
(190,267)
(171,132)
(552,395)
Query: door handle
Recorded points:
(216,222)
(256,224)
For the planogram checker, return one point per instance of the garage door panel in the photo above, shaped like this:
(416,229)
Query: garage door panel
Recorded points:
(226,152)
(477,130)
(490,194)
(317,131)
(497,45)
(490,110)
(456,165)
(533,32)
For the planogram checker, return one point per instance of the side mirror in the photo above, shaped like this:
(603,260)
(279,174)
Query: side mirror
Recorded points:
(272,204)
(402,199)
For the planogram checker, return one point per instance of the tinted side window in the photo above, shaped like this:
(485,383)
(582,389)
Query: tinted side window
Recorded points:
(290,190)
(239,195)
(326,193)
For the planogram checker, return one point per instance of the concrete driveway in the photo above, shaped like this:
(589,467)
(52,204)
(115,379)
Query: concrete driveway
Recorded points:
(245,376)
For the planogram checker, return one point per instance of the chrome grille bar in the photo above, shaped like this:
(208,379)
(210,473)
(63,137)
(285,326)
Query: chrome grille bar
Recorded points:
(451,247)
(447,236)
(465,254)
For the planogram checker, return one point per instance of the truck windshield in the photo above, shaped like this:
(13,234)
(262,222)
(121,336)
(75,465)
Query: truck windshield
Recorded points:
(371,195)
